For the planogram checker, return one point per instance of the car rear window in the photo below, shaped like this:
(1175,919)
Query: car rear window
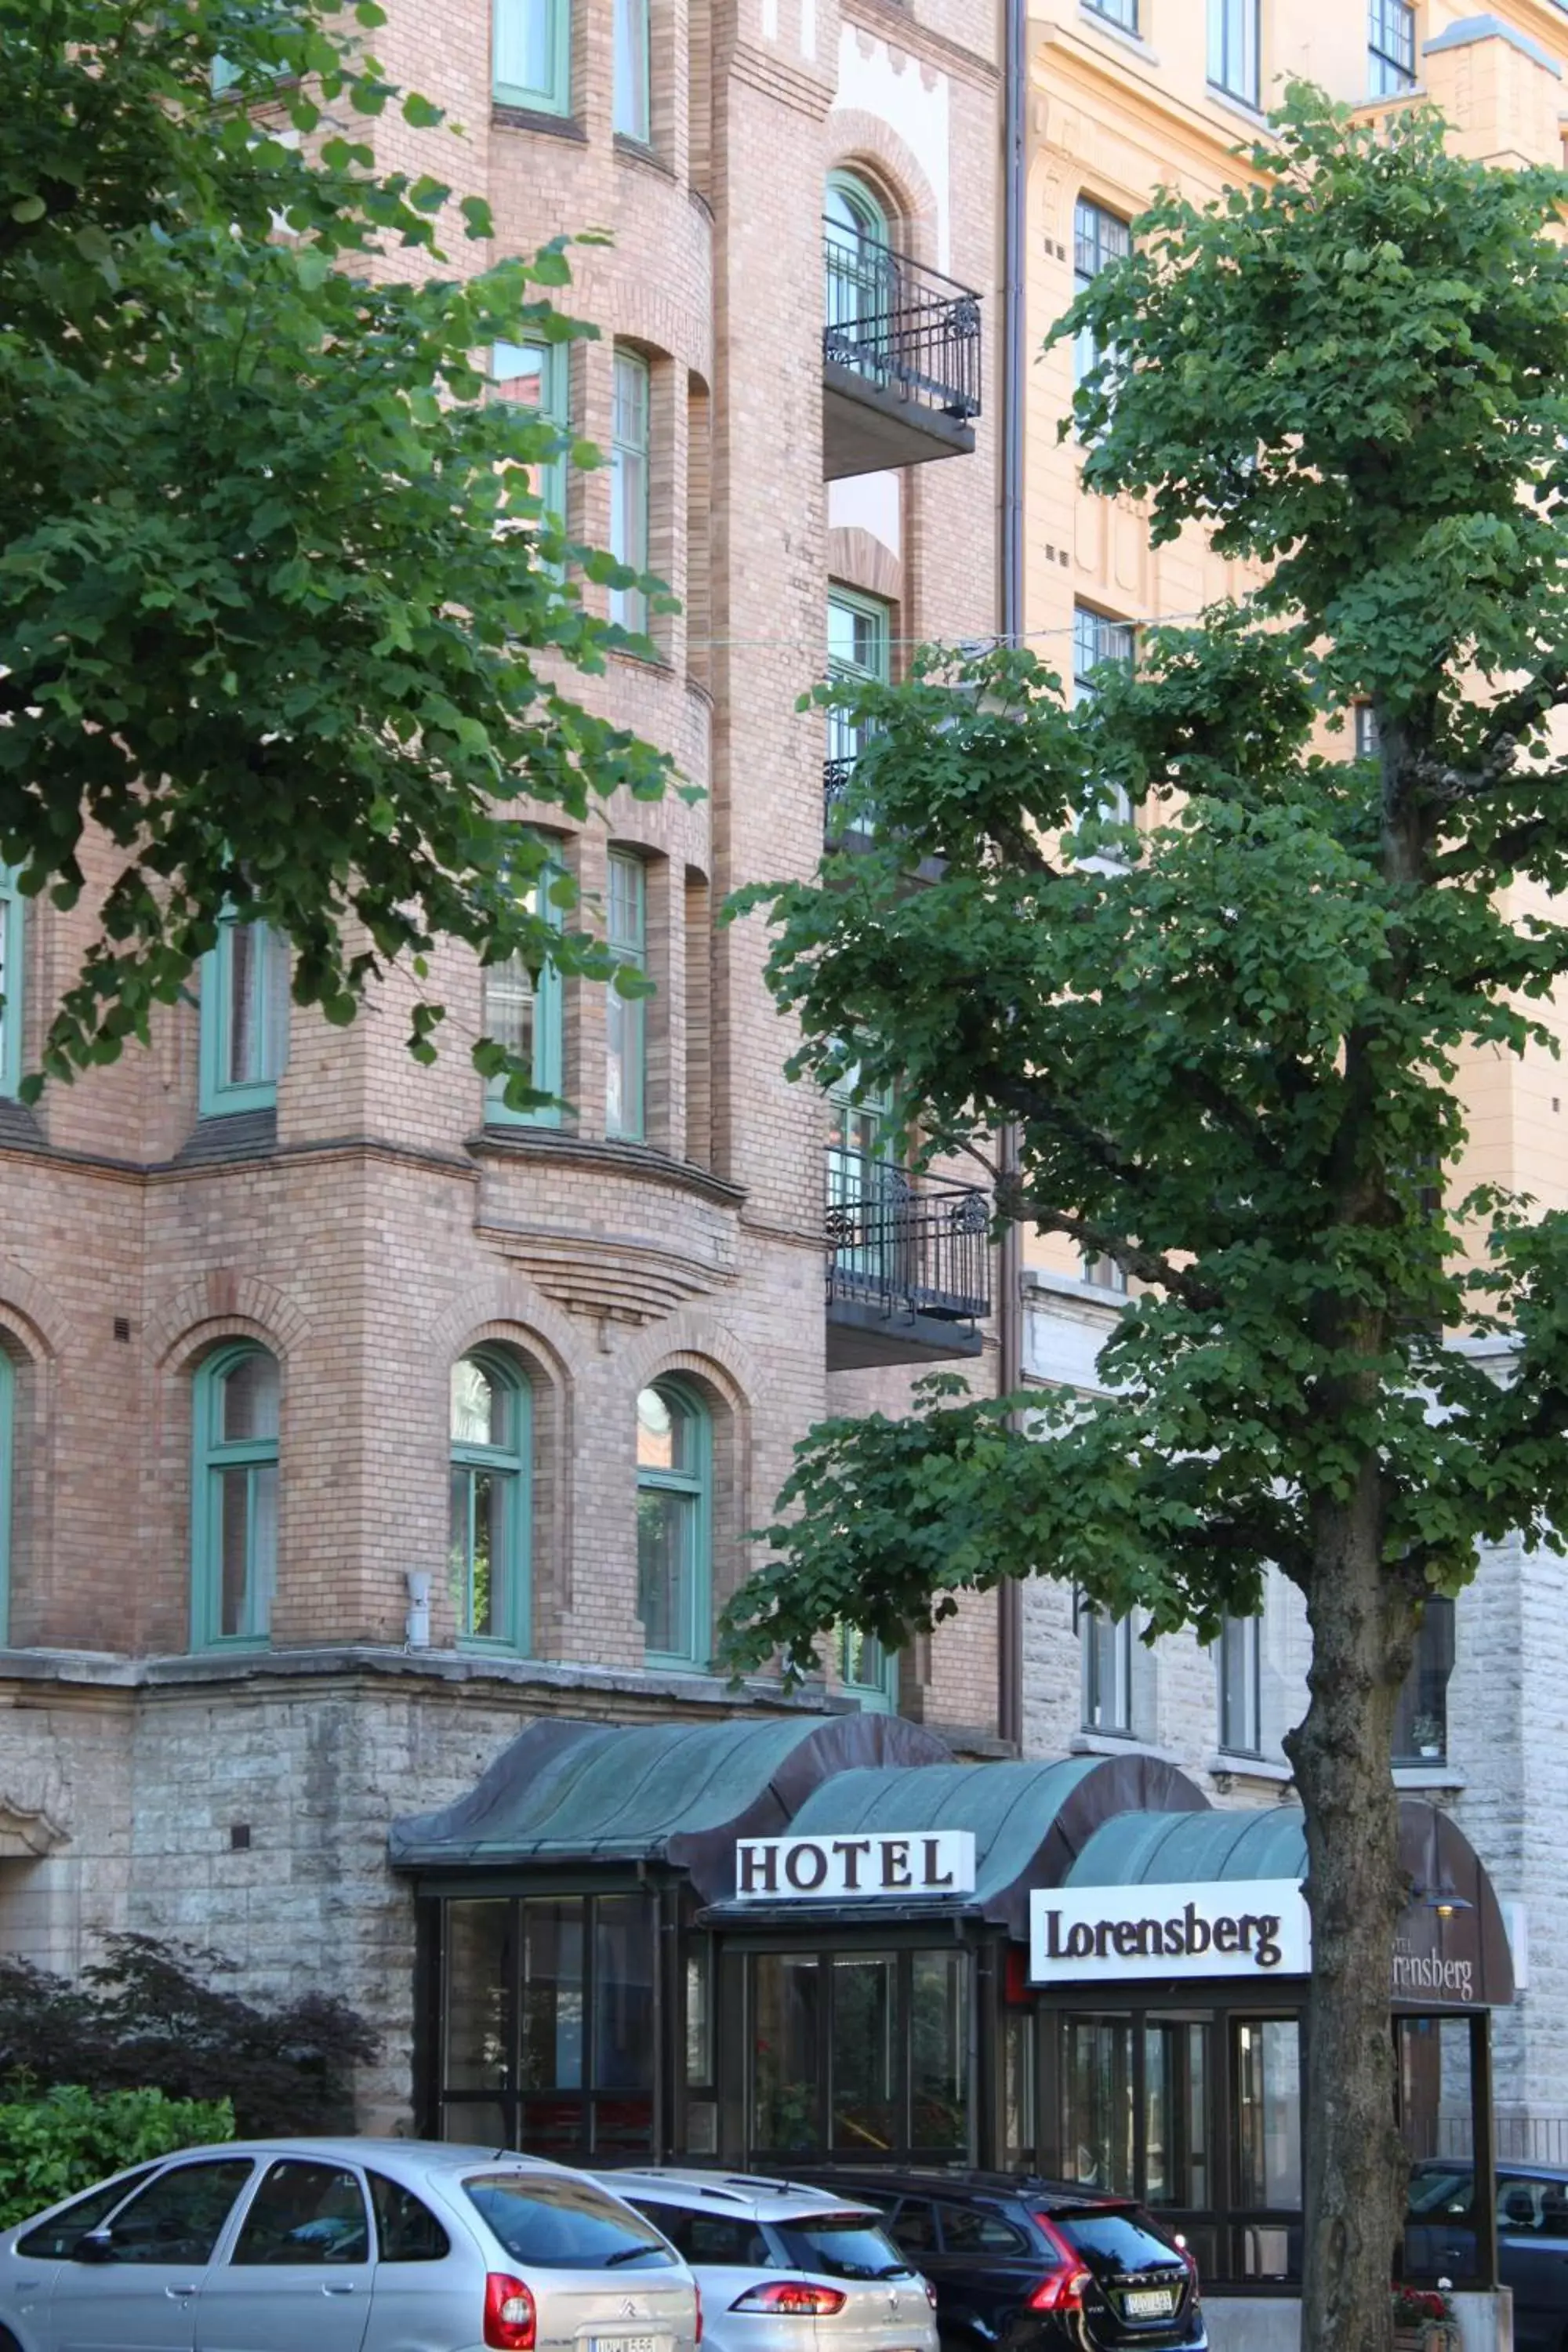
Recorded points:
(1115,2242)
(839,2245)
(565,2224)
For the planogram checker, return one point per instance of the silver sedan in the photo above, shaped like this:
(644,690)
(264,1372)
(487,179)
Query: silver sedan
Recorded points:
(350,2245)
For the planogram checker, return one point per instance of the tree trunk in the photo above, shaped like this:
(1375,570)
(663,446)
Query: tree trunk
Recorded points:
(1364,1626)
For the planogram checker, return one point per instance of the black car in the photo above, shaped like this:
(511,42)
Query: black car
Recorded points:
(1532,2240)
(1025,2265)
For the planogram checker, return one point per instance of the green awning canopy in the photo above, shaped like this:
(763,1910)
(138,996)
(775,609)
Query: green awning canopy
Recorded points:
(1162,1848)
(1029,1821)
(677,1792)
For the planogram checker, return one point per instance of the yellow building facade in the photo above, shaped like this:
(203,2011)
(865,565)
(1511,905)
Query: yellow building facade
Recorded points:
(1124,97)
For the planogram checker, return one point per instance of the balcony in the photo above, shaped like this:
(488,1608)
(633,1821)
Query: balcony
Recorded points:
(909,1265)
(900,361)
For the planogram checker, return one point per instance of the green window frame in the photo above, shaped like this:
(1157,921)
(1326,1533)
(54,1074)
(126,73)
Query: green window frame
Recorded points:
(236,1397)
(1233,48)
(632,116)
(868,1670)
(531,62)
(244,1019)
(859,653)
(675,1499)
(626,1024)
(13,952)
(8,1483)
(629,486)
(490,1502)
(537,375)
(525,1012)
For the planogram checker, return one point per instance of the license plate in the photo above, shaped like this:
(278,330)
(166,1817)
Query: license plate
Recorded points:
(627,2344)
(1149,2303)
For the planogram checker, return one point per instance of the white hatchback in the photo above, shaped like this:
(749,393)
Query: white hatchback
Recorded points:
(785,2268)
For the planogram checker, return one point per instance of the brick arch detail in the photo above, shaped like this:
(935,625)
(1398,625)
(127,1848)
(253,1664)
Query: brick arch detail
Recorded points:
(865,140)
(507,1306)
(225,1300)
(33,1315)
(691,1342)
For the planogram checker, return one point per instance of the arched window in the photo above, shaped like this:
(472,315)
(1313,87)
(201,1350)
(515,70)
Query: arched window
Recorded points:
(488,1545)
(861,274)
(234,1497)
(8,1446)
(675,1454)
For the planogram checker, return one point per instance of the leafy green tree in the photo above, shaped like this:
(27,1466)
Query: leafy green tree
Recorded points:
(281,619)
(1231,1037)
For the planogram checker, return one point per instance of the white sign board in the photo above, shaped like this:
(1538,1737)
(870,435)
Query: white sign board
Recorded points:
(879,1864)
(1256,1927)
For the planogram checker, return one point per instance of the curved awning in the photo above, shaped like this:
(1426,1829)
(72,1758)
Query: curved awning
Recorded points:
(675,1793)
(1452,1946)
(1029,1821)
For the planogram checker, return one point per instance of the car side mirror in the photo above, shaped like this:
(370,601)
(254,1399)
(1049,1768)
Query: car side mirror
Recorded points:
(94,2246)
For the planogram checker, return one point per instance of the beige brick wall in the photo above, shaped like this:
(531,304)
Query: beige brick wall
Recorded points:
(385,1233)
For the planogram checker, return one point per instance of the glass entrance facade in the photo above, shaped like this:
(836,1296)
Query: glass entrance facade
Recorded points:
(859,2056)
(547,2024)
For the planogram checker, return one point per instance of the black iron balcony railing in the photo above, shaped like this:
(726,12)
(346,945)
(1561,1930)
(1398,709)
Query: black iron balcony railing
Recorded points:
(901,326)
(905,1245)
(837,824)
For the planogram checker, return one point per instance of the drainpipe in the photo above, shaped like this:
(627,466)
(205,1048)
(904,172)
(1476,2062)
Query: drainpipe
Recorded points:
(1015,208)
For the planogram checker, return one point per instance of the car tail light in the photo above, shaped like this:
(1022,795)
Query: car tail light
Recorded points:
(930,2292)
(510,2315)
(793,2297)
(1063,2291)
(697,2291)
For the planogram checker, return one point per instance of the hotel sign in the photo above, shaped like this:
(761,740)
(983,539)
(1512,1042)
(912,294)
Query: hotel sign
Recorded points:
(880,1864)
(1256,1927)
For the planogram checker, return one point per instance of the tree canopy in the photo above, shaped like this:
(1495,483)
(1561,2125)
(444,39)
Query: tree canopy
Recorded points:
(282,617)
(1231,1033)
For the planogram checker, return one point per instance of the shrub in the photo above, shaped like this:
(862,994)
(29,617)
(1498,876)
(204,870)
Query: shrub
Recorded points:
(149,2016)
(53,2145)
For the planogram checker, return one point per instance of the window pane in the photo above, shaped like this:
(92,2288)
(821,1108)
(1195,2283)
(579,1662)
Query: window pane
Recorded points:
(939,2052)
(1421,1721)
(864,2077)
(1240,1679)
(786,1994)
(566,2224)
(304,2214)
(482,1502)
(234,1518)
(479,1968)
(623,1993)
(698,2039)
(480,1406)
(631,69)
(552,1995)
(525,59)
(54,2239)
(662,1442)
(1268,2113)
(249,1408)
(520,373)
(629,486)
(179,2217)
(510,1010)
(665,1527)
(405,2230)
(1175,2113)
(1097,2102)
(1119,11)
(257,1005)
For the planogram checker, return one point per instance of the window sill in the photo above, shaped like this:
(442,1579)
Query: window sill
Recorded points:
(1230,1764)
(1072,1285)
(1092,21)
(531,118)
(1243,108)
(1437,1774)
(637,151)
(643,1159)
(1118,1743)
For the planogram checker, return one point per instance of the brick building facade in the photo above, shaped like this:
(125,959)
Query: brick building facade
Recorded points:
(236,1279)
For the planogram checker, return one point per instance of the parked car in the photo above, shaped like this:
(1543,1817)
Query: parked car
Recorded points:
(350,2245)
(1532,2240)
(782,2268)
(1027,2265)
